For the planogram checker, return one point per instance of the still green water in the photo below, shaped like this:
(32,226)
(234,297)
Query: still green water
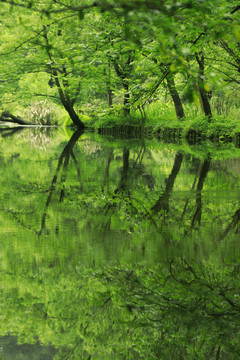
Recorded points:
(118,249)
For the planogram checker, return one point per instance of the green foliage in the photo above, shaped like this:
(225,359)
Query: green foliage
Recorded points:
(116,120)
(125,249)
(97,56)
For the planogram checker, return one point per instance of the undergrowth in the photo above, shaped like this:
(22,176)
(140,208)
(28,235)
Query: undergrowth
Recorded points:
(159,115)
(154,116)
(41,113)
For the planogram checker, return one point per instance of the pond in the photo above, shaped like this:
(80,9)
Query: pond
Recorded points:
(118,249)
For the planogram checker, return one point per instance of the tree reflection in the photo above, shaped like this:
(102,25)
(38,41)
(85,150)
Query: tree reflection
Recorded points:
(163,201)
(106,173)
(62,162)
(203,174)
(233,225)
(133,296)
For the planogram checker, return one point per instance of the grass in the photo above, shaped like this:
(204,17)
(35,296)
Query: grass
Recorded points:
(160,115)
(41,113)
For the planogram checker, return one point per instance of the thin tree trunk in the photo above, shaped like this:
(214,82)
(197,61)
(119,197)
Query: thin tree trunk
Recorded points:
(124,72)
(175,96)
(109,97)
(107,74)
(126,107)
(202,92)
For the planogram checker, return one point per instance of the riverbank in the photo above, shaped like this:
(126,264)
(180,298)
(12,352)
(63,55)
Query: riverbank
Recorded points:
(193,130)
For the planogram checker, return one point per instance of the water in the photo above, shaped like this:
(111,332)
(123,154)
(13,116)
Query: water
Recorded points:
(118,249)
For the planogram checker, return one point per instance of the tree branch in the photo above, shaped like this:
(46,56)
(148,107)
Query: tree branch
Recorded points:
(235,9)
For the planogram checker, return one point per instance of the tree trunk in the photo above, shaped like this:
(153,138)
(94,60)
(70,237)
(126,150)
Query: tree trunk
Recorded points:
(126,107)
(124,72)
(62,87)
(202,92)
(175,96)
(109,97)
(67,103)
(107,75)
(73,115)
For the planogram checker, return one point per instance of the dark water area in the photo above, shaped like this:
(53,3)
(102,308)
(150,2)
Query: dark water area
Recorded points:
(118,249)
(11,350)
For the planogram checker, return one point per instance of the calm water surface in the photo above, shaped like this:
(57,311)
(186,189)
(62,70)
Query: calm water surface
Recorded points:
(118,249)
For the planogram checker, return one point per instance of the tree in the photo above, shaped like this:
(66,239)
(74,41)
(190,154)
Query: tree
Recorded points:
(60,73)
(63,46)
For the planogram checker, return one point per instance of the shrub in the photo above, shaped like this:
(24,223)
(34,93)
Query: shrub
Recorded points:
(41,113)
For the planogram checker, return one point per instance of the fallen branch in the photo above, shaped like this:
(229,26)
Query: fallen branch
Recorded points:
(8,117)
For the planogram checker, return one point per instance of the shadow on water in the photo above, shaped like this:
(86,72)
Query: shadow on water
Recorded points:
(118,249)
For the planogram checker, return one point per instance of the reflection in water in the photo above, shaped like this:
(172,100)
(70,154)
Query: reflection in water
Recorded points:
(11,350)
(63,161)
(203,173)
(115,250)
(163,201)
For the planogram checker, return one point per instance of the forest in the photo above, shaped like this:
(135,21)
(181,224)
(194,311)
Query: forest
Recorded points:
(120,180)
(144,63)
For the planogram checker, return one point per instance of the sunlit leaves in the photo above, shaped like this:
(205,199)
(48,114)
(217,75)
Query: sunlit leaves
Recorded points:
(89,40)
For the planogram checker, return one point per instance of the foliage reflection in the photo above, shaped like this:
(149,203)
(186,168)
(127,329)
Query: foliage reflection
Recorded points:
(119,250)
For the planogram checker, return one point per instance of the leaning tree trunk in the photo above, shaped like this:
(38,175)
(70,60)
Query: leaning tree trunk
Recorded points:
(73,115)
(62,87)
(67,103)
(202,92)
(175,96)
